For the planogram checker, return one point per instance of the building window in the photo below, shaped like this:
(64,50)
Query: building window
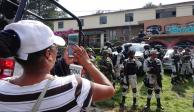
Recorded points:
(103,19)
(112,34)
(165,13)
(60,24)
(128,17)
(193,10)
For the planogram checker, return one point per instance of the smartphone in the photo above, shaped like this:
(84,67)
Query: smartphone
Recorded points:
(73,39)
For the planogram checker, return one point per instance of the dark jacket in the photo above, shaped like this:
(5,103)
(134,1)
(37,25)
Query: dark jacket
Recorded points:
(60,68)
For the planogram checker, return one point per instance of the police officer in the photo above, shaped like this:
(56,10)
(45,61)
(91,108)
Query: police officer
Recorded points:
(192,60)
(154,70)
(107,46)
(160,51)
(91,55)
(130,69)
(118,61)
(175,65)
(126,50)
(186,64)
(106,66)
(146,52)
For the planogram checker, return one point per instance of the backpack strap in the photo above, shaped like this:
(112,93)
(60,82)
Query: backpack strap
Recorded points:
(40,98)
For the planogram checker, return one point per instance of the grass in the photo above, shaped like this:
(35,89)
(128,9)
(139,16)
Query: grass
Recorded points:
(173,98)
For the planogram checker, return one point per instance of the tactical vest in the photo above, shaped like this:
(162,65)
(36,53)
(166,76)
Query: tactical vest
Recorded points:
(146,54)
(176,57)
(130,67)
(186,57)
(155,67)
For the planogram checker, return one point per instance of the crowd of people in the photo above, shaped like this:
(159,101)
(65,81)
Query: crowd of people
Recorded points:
(183,64)
(124,67)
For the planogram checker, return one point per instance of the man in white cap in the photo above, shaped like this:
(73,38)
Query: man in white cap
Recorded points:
(154,70)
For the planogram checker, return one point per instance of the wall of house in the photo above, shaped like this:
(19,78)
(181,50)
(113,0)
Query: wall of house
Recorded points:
(118,18)
(184,11)
(113,20)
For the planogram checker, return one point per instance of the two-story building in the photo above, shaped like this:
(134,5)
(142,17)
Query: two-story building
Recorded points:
(171,21)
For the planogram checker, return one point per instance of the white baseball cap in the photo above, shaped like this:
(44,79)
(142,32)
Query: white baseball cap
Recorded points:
(34,36)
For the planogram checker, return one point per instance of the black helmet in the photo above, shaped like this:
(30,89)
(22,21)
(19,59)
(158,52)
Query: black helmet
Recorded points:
(131,53)
(127,46)
(158,47)
(104,52)
(187,49)
(147,47)
(175,47)
(108,44)
(119,49)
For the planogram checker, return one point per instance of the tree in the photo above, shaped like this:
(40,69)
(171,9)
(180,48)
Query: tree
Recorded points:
(44,9)
(41,7)
(99,12)
(150,5)
(7,12)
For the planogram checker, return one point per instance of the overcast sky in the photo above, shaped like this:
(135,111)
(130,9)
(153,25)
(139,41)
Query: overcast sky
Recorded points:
(85,7)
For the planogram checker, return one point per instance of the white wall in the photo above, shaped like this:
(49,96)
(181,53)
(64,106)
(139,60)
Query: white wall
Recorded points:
(184,11)
(118,18)
(146,14)
(113,20)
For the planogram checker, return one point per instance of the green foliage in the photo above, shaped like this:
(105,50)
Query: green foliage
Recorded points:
(96,50)
(98,58)
(173,98)
(44,9)
(150,5)
(117,42)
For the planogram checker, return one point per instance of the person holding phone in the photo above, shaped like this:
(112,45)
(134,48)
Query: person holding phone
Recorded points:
(36,89)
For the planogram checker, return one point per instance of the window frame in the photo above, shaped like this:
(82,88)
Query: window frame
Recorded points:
(59,23)
(166,13)
(129,17)
(103,20)
(193,9)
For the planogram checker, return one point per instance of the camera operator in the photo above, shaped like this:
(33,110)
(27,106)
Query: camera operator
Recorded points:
(154,70)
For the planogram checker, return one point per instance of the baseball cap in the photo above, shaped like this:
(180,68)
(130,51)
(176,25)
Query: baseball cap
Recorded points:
(34,36)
